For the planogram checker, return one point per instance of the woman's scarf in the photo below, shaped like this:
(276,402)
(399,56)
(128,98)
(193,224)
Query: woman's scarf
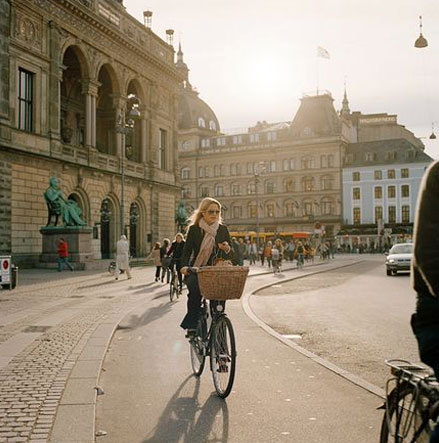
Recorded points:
(208,242)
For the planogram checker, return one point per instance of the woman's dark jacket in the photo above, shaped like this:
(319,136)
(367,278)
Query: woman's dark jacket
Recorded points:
(176,250)
(193,243)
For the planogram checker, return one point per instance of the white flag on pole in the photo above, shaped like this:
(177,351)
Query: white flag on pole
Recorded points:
(322,52)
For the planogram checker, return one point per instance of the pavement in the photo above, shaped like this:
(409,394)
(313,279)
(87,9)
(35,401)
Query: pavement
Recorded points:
(55,329)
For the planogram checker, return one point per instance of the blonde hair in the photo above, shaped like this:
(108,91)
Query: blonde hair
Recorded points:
(178,234)
(198,213)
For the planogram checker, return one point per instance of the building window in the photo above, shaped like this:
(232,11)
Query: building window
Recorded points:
(162,148)
(221,141)
(237,139)
(357,216)
(270,188)
(185,145)
(356,176)
(185,174)
(205,143)
(289,209)
(251,188)
(185,192)
(269,210)
(307,208)
(308,184)
(237,211)
(326,207)
(206,171)
(201,172)
(285,164)
(326,183)
(201,122)
(405,191)
(236,189)
(212,125)
(250,168)
(356,194)
(252,210)
(392,214)
(272,166)
(330,161)
(378,191)
(323,161)
(204,191)
(271,136)
(292,164)
(391,173)
(391,192)
(25,100)
(289,185)
(370,156)
(378,213)
(405,214)
(404,173)
(378,175)
(307,163)
(254,138)
(219,190)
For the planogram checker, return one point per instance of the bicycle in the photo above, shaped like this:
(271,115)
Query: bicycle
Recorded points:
(214,337)
(411,405)
(174,286)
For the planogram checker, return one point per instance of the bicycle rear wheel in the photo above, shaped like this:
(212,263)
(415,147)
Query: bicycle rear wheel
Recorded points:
(197,349)
(173,289)
(223,356)
(406,417)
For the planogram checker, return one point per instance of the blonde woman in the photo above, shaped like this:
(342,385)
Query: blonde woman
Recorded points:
(207,239)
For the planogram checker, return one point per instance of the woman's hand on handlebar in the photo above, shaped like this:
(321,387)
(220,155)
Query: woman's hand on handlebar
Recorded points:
(186,270)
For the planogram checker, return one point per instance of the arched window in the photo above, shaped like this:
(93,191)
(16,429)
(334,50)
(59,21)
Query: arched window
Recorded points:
(251,188)
(205,142)
(252,210)
(326,206)
(235,189)
(201,122)
(308,207)
(307,162)
(212,125)
(270,187)
(218,190)
(269,209)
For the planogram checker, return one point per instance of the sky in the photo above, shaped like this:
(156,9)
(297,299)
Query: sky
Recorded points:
(251,62)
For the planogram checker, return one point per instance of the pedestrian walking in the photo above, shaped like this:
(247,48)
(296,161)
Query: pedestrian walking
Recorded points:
(166,261)
(155,255)
(267,252)
(238,251)
(122,257)
(63,254)
(253,252)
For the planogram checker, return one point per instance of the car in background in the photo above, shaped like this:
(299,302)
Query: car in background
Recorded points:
(399,258)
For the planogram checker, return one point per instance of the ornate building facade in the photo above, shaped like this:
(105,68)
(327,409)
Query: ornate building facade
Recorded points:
(71,71)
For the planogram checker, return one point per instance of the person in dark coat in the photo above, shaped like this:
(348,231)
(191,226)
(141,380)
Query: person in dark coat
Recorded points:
(165,259)
(175,252)
(425,269)
(207,239)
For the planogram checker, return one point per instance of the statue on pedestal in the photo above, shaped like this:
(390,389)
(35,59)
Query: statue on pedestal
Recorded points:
(181,216)
(57,206)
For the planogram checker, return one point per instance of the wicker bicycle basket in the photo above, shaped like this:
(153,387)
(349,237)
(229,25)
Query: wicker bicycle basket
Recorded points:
(222,282)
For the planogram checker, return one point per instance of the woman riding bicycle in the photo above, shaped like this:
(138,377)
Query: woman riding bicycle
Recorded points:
(176,251)
(207,239)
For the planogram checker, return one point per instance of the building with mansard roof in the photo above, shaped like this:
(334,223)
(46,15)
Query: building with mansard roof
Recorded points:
(69,71)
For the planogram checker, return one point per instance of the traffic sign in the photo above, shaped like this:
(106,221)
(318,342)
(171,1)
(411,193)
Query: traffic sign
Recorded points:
(5,270)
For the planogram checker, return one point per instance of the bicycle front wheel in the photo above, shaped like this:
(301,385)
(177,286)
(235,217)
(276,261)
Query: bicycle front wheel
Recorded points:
(198,353)
(223,356)
(173,290)
(406,417)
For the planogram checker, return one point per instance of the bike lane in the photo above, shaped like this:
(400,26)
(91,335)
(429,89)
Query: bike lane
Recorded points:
(279,394)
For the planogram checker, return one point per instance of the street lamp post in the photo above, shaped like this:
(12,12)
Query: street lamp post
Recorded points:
(259,169)
(124,126)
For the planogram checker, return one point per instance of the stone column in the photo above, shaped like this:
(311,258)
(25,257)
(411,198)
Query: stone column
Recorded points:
(90,90)
(119,105)
(54,81)
(144,157)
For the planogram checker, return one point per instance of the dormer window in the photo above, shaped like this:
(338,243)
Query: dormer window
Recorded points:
(212,125)
(201,122)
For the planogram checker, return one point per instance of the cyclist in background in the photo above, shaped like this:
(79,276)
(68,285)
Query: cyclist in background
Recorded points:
(176,251)
(300,251)
(165,259)
(425,273)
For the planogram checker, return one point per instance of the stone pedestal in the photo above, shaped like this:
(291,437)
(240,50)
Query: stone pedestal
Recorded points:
(79,240)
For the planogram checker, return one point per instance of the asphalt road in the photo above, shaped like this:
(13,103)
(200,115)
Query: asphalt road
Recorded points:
(355,317)
(279,394)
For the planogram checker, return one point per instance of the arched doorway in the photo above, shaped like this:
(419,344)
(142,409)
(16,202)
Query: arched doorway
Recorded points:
(134,230)
(72,100)
(106,220)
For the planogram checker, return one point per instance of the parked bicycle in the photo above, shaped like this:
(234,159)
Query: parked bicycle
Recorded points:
(412,403)
(214,336)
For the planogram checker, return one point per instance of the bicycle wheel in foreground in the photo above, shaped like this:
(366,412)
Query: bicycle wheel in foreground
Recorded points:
(173,288)
(403,419)
(223,356)
(198,356)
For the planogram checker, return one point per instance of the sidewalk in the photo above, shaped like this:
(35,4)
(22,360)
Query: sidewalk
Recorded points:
(55,329)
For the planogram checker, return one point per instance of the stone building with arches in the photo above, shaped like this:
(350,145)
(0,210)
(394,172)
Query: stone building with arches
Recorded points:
(70,72)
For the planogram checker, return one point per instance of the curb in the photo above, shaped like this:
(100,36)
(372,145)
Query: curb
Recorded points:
(319,360)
